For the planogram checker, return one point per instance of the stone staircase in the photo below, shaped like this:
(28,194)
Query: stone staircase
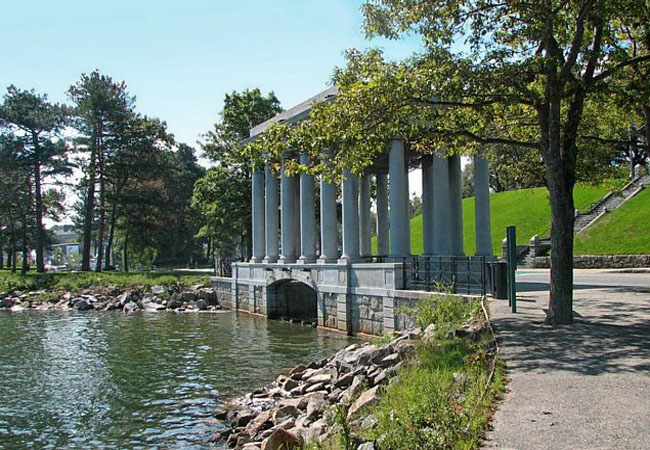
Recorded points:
(610,202)
(540,246)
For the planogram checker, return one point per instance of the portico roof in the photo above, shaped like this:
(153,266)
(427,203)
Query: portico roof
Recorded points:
(298,112)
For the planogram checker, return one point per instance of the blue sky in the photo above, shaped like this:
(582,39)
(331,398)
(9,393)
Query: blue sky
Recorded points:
(180,58)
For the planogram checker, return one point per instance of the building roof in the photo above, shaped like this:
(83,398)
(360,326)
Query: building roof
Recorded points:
(298,112)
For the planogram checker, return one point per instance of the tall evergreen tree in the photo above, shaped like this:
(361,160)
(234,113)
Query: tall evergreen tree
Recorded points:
(101,108)
(39,123)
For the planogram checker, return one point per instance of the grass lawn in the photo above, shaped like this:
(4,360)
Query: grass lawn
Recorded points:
(625,230)
(443,398)
(76,280)
(528,209)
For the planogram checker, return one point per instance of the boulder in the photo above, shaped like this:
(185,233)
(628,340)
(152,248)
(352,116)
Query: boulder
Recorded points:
(350,393)
(130,308)
(157,290)
(368,398)
(188,296)
(429,333)
(289,384)
(283,412)
(366,446)
(174,302)
(315,407)
(83,305)
(201,305)
(6,302)
(282,440)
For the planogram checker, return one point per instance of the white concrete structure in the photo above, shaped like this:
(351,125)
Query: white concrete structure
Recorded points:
(356,290)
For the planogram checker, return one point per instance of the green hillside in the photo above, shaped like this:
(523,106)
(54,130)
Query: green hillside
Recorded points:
(527,209)
(626,230)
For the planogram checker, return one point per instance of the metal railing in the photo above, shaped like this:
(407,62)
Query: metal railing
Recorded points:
(459,274)
(223,268)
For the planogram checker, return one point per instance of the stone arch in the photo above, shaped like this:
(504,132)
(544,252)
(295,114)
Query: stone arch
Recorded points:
(292,299)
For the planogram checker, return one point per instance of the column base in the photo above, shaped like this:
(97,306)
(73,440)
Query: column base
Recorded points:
(306,260)
(257,260)
(286,260)
(324,260)
(347,260)
(269,260)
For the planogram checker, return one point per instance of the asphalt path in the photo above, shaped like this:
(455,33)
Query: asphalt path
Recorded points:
(582,386)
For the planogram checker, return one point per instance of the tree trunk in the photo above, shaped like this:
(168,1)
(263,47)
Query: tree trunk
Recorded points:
(559,153)
(2,258)
(25,252)
(562,221)
(102,214)
(646,116)
(38,196)
(111,236)
(125,252)
(89,212)
(13,249)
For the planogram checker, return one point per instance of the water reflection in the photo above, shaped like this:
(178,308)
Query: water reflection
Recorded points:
(109,381)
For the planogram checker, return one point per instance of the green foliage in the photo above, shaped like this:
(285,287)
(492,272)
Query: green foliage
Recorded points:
(77,280)
(442,399)
(241,112)
(222,198)
(625,230)
(38,153)
(444,310)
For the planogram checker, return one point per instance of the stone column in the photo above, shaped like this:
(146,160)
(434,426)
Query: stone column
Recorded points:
(288,218)
(258,216)
(400,238)
(441,220)
(365,243)
(456,205)
(328,222)
(350,218)
(271,218)
(307,215)
(382,214)
(428,229)
(296,224)
(482,206)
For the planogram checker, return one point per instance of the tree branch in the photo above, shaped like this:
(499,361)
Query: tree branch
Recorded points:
(609,72)
(486,139)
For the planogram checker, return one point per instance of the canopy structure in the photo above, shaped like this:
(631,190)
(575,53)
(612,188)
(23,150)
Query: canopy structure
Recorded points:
(358,288)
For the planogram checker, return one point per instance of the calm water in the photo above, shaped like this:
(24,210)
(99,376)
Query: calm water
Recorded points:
(110,381)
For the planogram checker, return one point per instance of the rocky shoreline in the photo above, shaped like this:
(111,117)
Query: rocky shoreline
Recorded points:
(176,298)
(310,404)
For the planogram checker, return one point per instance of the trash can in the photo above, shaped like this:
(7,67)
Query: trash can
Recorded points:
(499,279)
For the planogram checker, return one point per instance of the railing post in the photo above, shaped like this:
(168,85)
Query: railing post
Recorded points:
(512,267)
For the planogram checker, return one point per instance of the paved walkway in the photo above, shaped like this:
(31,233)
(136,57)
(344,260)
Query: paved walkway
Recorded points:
(585,386)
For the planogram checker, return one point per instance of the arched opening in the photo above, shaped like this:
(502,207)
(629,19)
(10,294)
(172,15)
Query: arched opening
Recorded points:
(292,300)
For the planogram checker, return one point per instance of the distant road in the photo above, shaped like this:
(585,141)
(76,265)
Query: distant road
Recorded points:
(534,280)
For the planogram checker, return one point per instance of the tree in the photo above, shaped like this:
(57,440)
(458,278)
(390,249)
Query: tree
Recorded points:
(533,67)
(15,197)
(223,145)
(222,209)
(101,108)
(39,122)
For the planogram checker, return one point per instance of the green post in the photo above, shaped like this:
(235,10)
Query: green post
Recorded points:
(512,267)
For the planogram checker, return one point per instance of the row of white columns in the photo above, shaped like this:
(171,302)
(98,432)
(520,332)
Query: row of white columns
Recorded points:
(441,202)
